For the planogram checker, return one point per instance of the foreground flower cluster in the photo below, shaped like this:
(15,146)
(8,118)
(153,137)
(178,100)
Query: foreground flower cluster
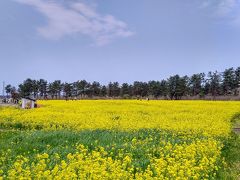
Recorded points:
(184,161)
(132,140)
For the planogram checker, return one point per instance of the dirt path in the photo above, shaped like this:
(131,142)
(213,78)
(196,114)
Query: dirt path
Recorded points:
(236,130)
(8,105)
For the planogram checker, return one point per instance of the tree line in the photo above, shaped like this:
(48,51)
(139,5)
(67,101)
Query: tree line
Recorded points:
(212,84)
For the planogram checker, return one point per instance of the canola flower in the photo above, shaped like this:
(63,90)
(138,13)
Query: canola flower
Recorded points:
(186,143)
(193,161)
(209,118)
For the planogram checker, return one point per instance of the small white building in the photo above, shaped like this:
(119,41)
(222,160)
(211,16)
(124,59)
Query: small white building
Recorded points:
(28,103)
(238,91)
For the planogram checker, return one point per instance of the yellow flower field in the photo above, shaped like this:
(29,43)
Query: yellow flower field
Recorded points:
(210,118)
(116,139)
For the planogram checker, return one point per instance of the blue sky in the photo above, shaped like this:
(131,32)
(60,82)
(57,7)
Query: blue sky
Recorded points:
(107,40)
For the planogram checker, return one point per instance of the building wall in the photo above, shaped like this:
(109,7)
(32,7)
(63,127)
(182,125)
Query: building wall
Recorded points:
(27,104)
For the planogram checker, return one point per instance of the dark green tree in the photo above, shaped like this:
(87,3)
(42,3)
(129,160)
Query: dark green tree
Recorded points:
(125,92)
(35,88)
(67,89)
(96,88)
(82,87)
(196,84)
(164,88)
(26,88)
(43,85)
(54,89)
(103,91)
(214,80)
(14,93)
(154,89)
(177,87)
(228,84)
(140,89)
(237,81)
(110,89)
(8,89)
(115,89)
(57,88)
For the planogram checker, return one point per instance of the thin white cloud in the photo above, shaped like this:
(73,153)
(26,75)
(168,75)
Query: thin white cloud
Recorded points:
(220,8)
(78,18)
(229,10)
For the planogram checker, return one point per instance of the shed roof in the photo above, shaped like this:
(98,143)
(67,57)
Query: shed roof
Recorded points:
(30,98)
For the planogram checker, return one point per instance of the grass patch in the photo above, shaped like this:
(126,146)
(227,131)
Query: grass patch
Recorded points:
(231,153)
(137,143)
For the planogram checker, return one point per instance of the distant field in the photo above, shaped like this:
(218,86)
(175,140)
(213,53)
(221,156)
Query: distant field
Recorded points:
(117,139)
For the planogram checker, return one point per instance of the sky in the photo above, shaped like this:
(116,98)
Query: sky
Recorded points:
(124,41)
